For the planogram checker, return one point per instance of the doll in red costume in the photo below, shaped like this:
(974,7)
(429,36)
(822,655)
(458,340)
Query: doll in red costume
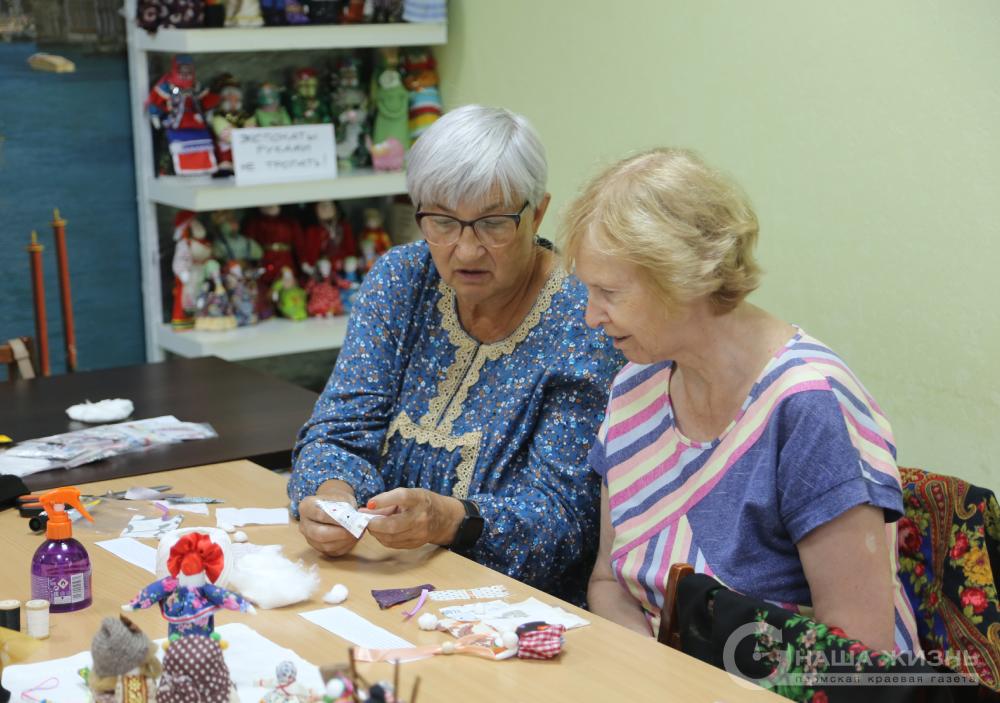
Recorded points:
(323,289)
(276,233)
(177,104)
(328,235)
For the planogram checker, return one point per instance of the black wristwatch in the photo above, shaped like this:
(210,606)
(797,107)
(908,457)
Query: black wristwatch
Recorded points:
(470,529)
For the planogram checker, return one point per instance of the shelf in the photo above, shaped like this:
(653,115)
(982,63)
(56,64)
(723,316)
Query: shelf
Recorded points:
(326,36)
(203,193)
(273,337)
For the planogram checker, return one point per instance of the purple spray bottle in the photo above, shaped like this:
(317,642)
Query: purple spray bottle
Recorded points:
(60,569)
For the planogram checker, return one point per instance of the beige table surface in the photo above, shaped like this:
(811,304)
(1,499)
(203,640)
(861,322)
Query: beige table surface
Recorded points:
(601,662)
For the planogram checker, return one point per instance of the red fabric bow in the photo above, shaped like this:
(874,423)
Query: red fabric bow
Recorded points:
(196,552)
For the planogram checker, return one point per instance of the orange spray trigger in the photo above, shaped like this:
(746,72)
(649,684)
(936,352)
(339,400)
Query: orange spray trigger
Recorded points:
(55,501)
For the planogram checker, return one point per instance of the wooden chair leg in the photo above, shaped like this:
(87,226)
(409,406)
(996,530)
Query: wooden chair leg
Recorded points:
(669,633)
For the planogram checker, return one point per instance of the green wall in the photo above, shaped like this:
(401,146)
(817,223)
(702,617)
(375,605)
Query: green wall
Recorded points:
(866,133)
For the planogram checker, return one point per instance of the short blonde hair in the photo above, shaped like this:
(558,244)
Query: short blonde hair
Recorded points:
(689,229)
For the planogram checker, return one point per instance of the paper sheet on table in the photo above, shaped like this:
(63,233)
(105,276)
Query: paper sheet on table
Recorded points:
(507,616)
(22,466)
(239,517)
(133,551)
(348,625)
(250,656)
(151,527)
(199,508)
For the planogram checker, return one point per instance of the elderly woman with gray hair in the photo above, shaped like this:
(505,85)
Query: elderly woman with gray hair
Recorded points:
(469,388)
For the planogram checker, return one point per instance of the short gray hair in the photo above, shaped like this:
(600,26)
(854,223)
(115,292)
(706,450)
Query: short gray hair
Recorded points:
(470,151)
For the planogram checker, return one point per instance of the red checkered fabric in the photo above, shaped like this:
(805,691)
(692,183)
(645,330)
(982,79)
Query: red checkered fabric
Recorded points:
(541,644)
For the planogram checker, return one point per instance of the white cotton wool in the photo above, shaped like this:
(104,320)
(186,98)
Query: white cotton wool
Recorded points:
(427,621)
(271,581)
(337,594)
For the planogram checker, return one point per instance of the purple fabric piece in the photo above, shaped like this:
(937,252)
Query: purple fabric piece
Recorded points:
(388,597)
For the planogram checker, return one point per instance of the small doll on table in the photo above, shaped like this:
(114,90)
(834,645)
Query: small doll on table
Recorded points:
(125,668)
(188,598)
(288,296)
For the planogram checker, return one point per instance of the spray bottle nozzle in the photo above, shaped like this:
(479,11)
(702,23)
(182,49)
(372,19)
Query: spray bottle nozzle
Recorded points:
(55,501)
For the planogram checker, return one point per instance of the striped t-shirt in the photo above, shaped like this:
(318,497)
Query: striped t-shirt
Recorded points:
(808,444)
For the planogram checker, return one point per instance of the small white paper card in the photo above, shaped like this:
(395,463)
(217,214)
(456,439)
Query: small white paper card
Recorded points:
(348,625)
(305,152)
(240,517)
(133,551)
(351,520)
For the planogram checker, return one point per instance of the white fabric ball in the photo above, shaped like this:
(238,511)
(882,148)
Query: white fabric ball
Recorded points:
(448,648)
(337,594)
(427,621)
(240,536)
(509,639)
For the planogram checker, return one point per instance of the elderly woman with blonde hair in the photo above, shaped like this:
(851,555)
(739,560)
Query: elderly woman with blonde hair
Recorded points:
(469,388)
(733,440)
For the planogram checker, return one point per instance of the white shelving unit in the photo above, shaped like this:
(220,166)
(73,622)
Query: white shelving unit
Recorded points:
(277,336)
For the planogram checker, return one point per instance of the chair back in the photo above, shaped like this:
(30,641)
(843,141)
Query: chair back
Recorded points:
(17,354)
(669,633)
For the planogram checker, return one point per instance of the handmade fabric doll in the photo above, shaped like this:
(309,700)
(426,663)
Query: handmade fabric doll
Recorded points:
(350,105)
(270,112)
(191,251)
(195,672)
(295,12)
(276,234)
(324,291)
(229,115)
(214,311)
(182,14)
(421,79)
(242,288)
(306,107)
(177,104)
(375,240)
(125,667)
(284,688)
(288,296)
(229,244)
(329,236)
(188,598)
(243,13)
(391,104)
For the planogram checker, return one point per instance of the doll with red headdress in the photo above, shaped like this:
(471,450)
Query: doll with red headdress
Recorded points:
(189,597)
(177,104)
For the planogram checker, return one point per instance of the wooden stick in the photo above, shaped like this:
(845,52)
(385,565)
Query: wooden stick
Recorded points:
(38,288)
(62,262)
(413,693)
(354,674)
(395,681)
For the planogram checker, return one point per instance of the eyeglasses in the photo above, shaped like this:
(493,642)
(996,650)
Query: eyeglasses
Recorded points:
(493,231)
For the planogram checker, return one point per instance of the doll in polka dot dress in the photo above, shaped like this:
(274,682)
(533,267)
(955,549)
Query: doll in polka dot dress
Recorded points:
(195,672)
(188,598)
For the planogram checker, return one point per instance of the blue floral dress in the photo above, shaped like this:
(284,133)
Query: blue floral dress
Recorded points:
(415,401)
(188,611)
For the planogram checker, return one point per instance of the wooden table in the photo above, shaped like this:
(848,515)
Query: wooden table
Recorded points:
(256,415)
(601,662)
